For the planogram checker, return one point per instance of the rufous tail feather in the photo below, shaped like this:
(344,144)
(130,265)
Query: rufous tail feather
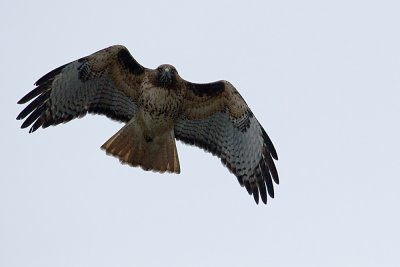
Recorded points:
(131,147)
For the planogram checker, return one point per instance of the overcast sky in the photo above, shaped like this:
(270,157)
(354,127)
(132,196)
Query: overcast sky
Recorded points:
(322,77)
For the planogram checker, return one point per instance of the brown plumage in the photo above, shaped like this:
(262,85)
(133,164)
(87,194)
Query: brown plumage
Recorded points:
(156,106)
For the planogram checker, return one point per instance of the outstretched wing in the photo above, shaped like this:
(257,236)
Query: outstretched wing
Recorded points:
(106,82)
(217,119)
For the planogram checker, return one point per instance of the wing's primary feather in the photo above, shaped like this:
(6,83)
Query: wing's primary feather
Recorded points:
(102,83)
(219,121)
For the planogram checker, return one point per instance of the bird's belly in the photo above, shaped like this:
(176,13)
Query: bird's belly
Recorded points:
(159,110)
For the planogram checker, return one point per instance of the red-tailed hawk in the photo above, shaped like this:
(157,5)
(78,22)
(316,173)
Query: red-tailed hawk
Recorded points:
(157,106)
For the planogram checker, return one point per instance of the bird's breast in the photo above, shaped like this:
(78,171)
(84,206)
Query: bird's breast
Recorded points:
(161,103)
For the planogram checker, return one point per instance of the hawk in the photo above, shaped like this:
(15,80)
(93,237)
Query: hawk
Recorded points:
(157,107)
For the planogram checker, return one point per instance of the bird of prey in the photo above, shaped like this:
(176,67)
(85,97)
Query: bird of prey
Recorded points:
(157,106)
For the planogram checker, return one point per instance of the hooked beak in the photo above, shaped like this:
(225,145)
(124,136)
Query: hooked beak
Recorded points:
(166,76)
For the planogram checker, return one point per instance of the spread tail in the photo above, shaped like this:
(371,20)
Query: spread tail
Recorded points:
(132,148)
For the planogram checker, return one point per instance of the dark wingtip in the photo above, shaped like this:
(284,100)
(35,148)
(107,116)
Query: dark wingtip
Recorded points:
(256,198)
(50,75)
(36,125)
(264,198)
(274,172)
(269,144)
(261,184)
(32,118)
(32,94)
(25,98)
(19,117)
(36,103)
(267,178)
(256,194)
(275,177)
(264,201)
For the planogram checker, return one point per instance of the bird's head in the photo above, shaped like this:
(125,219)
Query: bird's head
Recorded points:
(167,75)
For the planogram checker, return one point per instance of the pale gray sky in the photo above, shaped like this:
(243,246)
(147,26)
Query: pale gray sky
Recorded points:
(321,76)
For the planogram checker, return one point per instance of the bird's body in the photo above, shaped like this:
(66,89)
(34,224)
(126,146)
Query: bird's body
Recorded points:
(156,106)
